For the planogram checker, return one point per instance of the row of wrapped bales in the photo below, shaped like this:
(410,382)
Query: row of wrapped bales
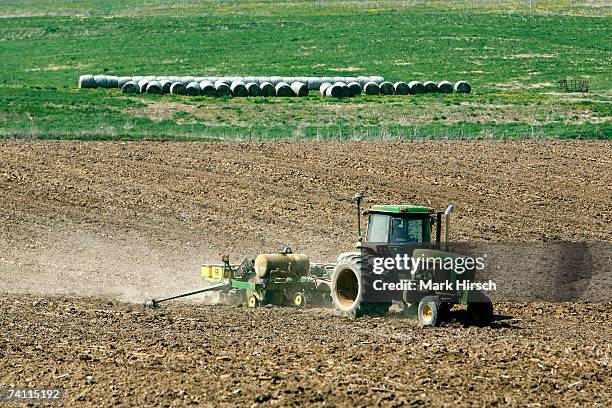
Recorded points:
(312,83)
(399,88)
(218,88)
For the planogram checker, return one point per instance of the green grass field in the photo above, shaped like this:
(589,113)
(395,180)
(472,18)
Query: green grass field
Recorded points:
(513,52)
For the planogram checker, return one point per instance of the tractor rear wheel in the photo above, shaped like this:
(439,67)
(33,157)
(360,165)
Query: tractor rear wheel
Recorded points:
(429,311)
(349,287)
(480,309)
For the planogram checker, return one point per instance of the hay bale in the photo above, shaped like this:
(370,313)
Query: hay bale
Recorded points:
(463,87)
(100,81)
(445,87)
(199,79)
(354,89)
(416,88)
(253,89)
(289,80)
(327,79)
(122,81)
(430,87)
(154,87)
(335,91)
(222,88)
(137,79)
(207,88)
(377,80)
(112,81)
(401,88)
(299,89)
(150,78)
(267,89)
(130,87)
(193,88)
(324,87)
(87,81)
(371,88)
(142,84)
(275,80)
(386,88)
(283,89)
(344,87)
(362,80)
(177,88)
(314,83)
(261,80)
(165,85)
(239,89)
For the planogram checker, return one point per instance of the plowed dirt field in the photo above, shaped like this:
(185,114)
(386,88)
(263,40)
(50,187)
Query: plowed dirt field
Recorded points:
(88,231)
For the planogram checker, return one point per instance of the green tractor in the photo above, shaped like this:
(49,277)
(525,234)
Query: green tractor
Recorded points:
(405,225)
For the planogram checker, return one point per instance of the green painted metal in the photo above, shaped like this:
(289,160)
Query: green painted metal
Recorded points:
(401,209)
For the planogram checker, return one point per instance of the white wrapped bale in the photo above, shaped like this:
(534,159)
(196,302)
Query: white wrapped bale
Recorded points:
(289,80)
(193,88)
(324,87)
(283,89)
(377,80)
(154,87)
(275,80)
(362,80)
(371,88)
(386,88)
(100,81)
(416,88)
(345,88)
(87,81)
(348,80)
(401,88)
(112,81)
(178,88)
(354,89)
(445,87)
(335,91)
(338,79)
(299,89)
(122,81)
(186,80)
(222,88)
(314,83)
(463,87)
(267,89)
(150,78)
(261,80)
(207,88)
(430,87)
(137,79)
(165,85)
(239,89)
(253,89)
(199,79)
(174,79)
(142,84)
(327,79)
(130,87)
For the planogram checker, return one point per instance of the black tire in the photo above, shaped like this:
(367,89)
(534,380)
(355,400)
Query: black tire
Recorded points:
(349,287)
(429,311)
(480,309)
(445,309)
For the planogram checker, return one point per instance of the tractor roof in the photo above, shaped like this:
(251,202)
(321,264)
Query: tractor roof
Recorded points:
(401,209)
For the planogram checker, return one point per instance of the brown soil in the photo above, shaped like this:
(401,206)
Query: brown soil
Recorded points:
(124,221)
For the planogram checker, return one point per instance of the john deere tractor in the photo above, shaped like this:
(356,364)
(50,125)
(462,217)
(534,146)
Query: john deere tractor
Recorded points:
(405,226)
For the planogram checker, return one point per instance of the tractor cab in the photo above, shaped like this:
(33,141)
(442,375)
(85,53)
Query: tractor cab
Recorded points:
(399,224)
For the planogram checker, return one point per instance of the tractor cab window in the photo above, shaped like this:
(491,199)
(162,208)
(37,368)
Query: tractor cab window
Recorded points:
(406,230)
(378,228)
(397,229)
